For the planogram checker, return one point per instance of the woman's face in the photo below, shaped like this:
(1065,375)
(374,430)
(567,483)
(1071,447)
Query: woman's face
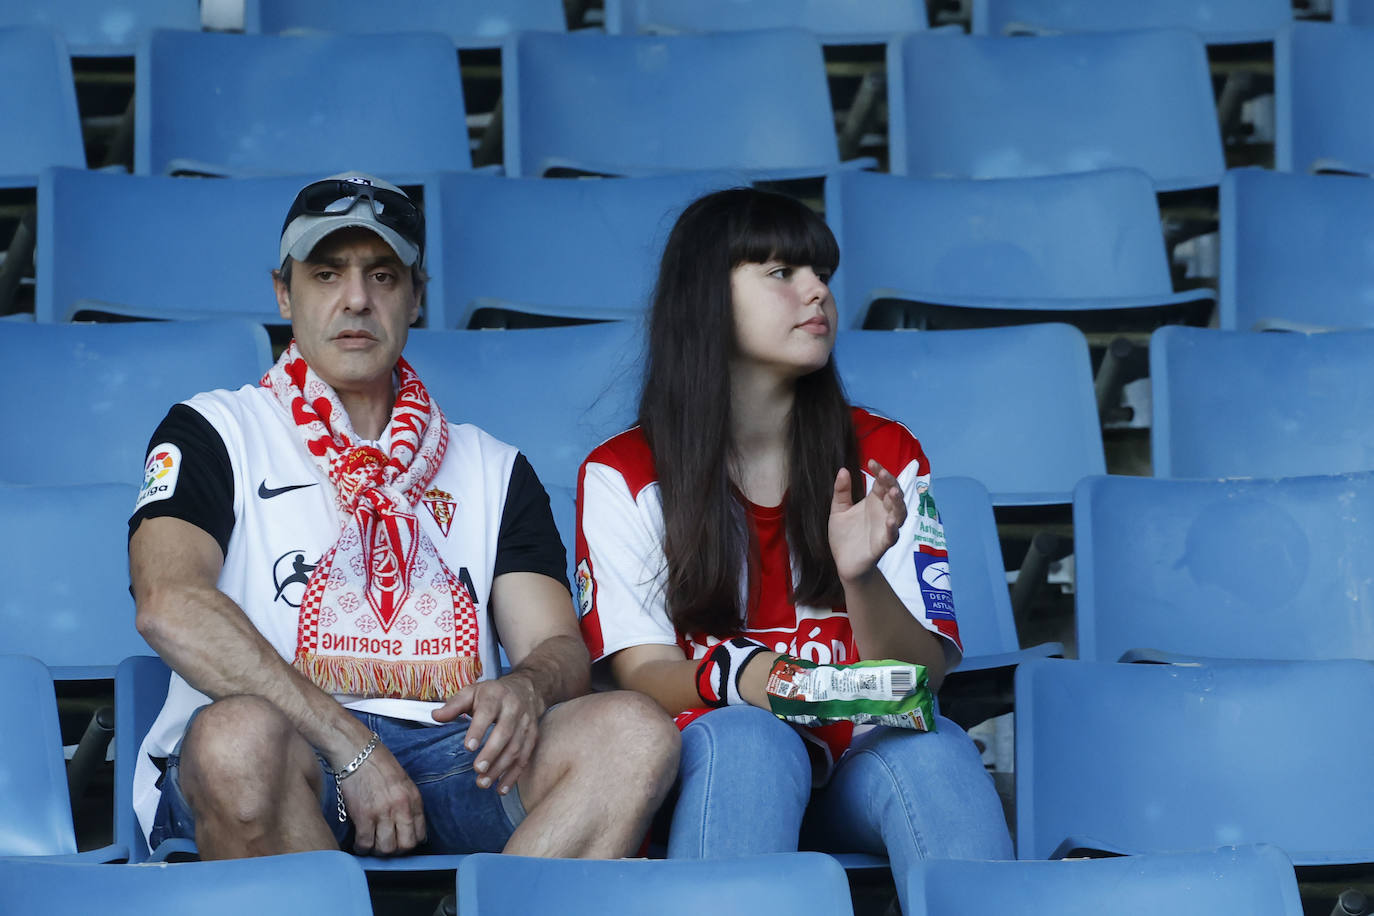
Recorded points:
(784,317)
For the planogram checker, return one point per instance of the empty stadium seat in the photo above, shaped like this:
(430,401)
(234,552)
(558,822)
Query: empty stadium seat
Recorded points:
(84,399)
(993,107)
(1217,21)
(470,24)
(42,125)
(835,22)
(754,102)
(1353,12)
(33,776)
(1168,570)
(1295,251)
(102,28)
(1241,404)
(242,105)
(500,885)
(1323,76)
(551,249)
(1085,248)
(1137,759)
(1249,879)
(1012,407)
(322,883)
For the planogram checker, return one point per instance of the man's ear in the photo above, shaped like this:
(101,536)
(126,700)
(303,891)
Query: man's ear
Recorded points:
(283,294)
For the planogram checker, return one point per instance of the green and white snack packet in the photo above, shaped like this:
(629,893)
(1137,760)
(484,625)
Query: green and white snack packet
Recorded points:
(877,692)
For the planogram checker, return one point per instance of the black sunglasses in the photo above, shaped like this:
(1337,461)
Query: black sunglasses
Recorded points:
(338,195)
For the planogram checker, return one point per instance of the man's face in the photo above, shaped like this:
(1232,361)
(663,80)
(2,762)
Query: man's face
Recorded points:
(350,305)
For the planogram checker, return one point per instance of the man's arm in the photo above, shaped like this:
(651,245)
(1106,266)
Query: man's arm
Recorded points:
(207,639)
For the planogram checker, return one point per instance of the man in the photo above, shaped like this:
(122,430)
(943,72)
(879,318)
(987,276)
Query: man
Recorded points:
(326,564)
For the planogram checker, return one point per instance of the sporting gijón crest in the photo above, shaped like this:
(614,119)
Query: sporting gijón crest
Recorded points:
(441,505)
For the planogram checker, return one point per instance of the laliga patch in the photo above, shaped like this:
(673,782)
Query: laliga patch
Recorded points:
(933,573)
(441,506)
(586,587)
(159,474)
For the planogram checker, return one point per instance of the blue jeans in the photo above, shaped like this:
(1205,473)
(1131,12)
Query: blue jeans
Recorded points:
(745,788)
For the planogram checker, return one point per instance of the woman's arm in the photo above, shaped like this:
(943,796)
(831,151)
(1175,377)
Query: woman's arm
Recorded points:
(670,678)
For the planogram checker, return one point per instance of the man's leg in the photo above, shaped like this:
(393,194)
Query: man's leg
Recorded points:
(599,772)
(252,782)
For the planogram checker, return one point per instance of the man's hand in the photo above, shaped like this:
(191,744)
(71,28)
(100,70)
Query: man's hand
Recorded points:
(860,533)
(511,707)
(388,815)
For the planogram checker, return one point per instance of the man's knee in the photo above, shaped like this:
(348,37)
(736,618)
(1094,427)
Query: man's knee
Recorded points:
(632,730)
(241,748)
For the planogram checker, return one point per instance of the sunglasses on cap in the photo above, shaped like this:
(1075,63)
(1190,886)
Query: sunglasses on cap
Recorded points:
(334,196)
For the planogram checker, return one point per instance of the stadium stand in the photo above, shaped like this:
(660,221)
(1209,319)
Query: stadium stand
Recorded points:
(470,24)
(102,28)
(1250,879)
(1241,404)
(1353,12)
(1131,759)
(1323,75)
(1217,21)
(44,128)
(499,885)
(1173,570)
(994,107)
(105,387)
(754,102)
(835,22)
(322,883)
(247,105)
(1295,251)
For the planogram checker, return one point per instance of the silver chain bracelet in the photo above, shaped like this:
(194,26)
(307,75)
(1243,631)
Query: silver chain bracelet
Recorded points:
(353,765)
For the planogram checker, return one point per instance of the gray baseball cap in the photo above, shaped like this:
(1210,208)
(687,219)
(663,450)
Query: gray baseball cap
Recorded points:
(353,199)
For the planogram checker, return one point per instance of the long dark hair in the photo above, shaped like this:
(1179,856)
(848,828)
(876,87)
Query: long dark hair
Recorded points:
(685,411)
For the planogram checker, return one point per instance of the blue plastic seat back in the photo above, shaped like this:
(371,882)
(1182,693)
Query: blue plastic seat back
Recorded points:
(102,28)
(1353,12)
(1240,404)
(1323,76)
(628,104)
(554,393)
(1248,879)
(43,127)
(1171,758)
(272,104)
(1084,241)
(105,387)
(834,21)
(158,247)
(1295,250)
(981,599)
(469,24)
(1217,21)
(66,572)
(1225,568)
(33,774)
(583,249)
(320,883)
(993,107)
(1012,407)
(140,691)
(496,885)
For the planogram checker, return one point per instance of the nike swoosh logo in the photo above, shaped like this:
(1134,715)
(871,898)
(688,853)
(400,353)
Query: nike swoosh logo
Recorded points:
(265,493)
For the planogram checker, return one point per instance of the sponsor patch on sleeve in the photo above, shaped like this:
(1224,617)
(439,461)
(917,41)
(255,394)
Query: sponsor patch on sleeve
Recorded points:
(933,573)
(586,587)
(159,474)
(929,532)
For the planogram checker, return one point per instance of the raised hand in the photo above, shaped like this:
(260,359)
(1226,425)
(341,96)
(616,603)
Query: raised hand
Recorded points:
(511,707)
(861,532)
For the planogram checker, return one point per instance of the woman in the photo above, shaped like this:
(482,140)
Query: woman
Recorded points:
(754,512)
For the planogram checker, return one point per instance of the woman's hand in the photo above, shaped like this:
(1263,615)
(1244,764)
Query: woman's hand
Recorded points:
(862,532)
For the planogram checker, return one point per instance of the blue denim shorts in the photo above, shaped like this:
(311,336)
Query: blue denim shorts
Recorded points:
(460,817)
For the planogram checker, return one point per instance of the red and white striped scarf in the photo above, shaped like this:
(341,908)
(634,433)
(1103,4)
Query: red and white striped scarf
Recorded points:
(382,591)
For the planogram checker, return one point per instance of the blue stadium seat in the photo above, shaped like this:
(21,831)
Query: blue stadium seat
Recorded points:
(835,22)
(1135,759)
(102,28)
(500,885)
(552,249)
(1249,879)
(1295,251)
(323,883)
(1241,404)
(1168,570)
(33,776)
(1323,77)
(1012,407)
(470,23)
(555,393)
(245,105)
(177,249)
(1217,21)
(42,125)
(993,107)
(99,391)
(1353,12)
(754,102)
(1082,248)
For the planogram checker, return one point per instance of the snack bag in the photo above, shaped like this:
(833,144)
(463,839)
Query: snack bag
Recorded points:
(877,692)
